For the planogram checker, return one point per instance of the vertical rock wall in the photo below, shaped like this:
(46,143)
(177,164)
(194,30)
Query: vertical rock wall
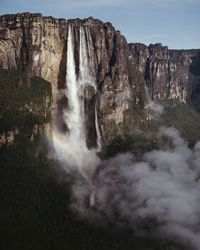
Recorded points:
(167,72)
(37,45)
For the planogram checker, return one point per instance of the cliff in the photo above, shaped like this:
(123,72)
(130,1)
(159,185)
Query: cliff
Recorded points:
(169,74)
(37,46)
(115,78)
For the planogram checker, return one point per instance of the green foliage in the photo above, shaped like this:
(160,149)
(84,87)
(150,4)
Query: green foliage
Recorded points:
(35,211)
(182,117)
(137,143)
(140,138)
(23,103)
(118,144)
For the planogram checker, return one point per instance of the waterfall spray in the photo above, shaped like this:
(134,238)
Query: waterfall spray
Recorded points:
(87,65)
(71,146)
(154,109)
(73,116)
(88,68)
(98,131)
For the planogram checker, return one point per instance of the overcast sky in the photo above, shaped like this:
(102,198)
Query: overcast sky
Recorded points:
(175,23)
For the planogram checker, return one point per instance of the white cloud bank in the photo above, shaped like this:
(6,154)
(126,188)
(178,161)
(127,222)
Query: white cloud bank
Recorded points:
(165,185)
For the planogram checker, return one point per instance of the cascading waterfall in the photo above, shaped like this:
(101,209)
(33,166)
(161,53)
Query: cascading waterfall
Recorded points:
(86,65)
(73,116)
(154,109)
(92,73)
(71,146)
(98,131)
(87,70)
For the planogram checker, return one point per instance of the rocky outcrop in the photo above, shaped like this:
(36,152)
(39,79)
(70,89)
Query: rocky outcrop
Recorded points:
(167,72)
(32,43)
(37,45)
(194,82)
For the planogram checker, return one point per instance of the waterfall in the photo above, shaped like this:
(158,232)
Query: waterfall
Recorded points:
(70,146)
(98,131)
(73,116)
(87,66)
(87,70)
(154,109)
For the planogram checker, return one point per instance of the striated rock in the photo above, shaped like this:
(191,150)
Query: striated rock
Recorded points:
(32,43)
(89,92)
(166,72)
(37,45)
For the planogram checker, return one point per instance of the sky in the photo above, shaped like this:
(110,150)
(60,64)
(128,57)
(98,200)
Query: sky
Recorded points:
(174,23)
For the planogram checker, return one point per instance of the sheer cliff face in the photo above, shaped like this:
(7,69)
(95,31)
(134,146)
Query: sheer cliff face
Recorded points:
(37,45)
(32,43)
(167,72)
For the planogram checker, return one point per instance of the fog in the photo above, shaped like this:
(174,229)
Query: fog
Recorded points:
(165,186)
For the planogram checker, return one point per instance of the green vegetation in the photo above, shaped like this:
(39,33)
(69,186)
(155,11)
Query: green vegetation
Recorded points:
(136,143)
(23,102)
(35,211)
(182,117)
(139,136)
(35,208)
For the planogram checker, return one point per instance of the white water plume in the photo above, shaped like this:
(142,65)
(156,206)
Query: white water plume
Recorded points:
(87,67)
(74,115)
(92,66)
(71,147)
(164,185)
(88,64)
(98,132)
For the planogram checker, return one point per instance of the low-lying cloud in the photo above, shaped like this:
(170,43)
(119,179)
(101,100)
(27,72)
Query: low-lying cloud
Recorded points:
(165,186)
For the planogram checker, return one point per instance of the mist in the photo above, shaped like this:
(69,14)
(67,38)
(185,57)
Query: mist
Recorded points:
(164,186)
(161,190)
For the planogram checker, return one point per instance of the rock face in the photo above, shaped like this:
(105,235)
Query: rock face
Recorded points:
(32,43)
(194,82)
(37,46)
(168,73)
